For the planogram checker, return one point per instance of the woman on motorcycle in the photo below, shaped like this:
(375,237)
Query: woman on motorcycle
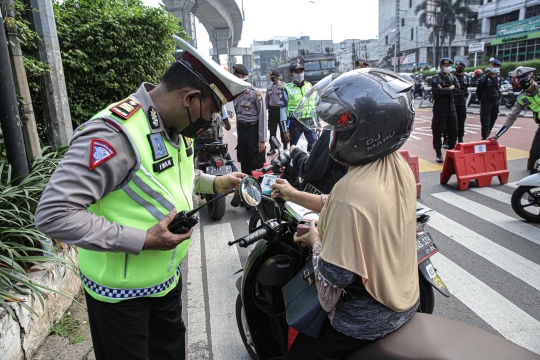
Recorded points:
(364,248)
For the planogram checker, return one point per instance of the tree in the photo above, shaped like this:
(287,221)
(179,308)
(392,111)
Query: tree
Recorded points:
(387,59)
(109,47)
(275,62)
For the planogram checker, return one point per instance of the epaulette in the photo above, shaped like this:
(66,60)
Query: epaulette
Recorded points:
(125,109)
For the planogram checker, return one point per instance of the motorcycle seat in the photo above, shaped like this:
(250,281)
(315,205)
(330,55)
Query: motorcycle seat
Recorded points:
(429,337)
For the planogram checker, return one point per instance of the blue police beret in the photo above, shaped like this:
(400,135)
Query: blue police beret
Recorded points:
(446,61)
(461,62)
(496,62)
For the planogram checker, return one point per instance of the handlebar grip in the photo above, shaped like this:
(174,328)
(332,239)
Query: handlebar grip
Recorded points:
(251,238)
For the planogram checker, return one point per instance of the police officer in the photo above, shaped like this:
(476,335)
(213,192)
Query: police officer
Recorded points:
(443,85)
(290,98)
(251,125)
(529,98)
(360,64)
(126,173)
(488,95)
(460,97)
(273,93)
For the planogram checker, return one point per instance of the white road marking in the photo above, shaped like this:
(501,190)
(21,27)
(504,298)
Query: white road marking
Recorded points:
(500,313)
(222,261)
(512,184)
(500,256)
(485,213)
(494,194)
(197,338)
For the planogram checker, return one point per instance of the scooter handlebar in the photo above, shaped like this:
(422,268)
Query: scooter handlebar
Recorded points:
(251,238)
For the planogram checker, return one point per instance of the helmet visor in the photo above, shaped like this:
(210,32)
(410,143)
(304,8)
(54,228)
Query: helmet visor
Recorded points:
(305,111)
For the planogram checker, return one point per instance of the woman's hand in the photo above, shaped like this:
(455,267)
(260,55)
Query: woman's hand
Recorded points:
(310,238)
(281,188)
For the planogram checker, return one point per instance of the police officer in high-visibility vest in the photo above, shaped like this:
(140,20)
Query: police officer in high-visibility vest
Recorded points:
(529,98)
(127,172)
(273,94)
(251,125)
(444,109)
(487,91)
(290,98)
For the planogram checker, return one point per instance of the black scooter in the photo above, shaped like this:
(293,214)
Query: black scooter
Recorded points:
(275,259)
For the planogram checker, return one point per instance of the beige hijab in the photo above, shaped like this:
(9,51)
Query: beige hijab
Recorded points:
(368,227)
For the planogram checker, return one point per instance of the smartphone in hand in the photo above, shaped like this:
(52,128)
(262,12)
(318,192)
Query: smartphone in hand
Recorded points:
(303,227)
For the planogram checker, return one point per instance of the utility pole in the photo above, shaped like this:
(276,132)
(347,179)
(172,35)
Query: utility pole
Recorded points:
(398,32)
(9,115)
(31,138)
(53,92)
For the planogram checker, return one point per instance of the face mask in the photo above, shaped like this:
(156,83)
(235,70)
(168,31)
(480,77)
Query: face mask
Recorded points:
(196,126)
(298,77)
(447,69)
(459,70)
(273,78)
(495,70)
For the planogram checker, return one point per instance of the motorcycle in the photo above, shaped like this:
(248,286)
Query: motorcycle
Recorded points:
(276,258)
(526,198)
(507,98)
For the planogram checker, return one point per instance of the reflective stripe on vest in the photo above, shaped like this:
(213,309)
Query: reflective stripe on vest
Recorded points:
(142,202)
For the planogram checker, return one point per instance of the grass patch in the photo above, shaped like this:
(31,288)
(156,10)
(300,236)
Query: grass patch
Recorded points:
(67,327)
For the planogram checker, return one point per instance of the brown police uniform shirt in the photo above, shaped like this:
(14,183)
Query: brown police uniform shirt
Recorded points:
(62,211)
(250,107)
(273,93)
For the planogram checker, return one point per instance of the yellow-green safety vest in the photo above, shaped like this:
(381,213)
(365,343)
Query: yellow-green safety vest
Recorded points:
(295,93)
(145,200)
(532,102)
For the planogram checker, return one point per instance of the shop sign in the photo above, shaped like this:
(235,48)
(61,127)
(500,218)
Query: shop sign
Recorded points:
(518,27)
(476,47)
(521,37)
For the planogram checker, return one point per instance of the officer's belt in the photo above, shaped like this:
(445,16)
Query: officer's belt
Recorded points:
(247,124)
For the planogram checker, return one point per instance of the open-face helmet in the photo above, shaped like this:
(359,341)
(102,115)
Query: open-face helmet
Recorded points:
(478,72)
(371,113)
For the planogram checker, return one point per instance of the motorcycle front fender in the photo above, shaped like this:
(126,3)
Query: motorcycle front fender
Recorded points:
(429,273)
(531,180)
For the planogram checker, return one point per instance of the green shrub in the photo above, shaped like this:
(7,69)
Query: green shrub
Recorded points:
(505,68)
(109,47)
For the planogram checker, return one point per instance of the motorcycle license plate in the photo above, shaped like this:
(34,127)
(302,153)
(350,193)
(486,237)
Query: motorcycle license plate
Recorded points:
(425,246)
(220,170)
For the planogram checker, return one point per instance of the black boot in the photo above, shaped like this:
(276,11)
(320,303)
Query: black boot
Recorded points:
(439,157)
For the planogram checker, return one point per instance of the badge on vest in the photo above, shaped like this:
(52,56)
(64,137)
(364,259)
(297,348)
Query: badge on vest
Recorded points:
(154,120)
(189,149)
(159,151)
(126,108)
(163,165)
(100,151)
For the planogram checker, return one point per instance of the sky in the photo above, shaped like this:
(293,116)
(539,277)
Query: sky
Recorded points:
(319,19)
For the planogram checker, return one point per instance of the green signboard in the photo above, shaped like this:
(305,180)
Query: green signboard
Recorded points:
(518,31)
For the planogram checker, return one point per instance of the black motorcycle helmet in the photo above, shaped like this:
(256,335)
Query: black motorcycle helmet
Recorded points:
(371,112)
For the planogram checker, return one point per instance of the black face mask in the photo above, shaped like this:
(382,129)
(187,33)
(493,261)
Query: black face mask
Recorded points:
(274,79)
(459,70)
(196,126)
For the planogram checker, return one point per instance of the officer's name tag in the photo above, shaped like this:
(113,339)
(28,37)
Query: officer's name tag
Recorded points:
(163,165)
(480,148)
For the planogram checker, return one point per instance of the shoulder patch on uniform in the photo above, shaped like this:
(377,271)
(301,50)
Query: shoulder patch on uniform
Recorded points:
(126,108)
(525,101)
(434,80)
(154,120)
(100,151)
(259,95)
(159,151)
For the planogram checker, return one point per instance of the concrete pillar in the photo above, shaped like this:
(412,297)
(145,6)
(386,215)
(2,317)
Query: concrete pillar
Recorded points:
(54,93)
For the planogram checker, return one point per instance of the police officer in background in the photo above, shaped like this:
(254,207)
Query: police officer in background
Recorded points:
(460,97)
(360,64)
(488,95)
(294,92)
(444,109)
(251,125)
(127,172)
(273,93)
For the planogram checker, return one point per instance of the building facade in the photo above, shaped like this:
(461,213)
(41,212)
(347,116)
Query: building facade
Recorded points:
(351,49)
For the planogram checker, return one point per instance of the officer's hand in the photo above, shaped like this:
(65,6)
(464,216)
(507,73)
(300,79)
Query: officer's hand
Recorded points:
(440,87)
(261,146)
(287,137)
(452,87)
(494,138)
(158,237)
(227,124)
(281,188)
(226,183)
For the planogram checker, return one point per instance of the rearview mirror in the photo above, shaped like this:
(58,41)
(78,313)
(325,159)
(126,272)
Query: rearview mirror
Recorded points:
(250,191)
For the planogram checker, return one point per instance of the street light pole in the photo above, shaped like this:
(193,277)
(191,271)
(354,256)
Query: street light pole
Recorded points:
(395,56)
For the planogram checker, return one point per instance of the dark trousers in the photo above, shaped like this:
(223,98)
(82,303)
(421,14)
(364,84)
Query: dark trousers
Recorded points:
(330,345)
(488,115)
(444,123)
(273,124)
(461,112)
(296,130)
(247,151)
(534,153)
(138,329)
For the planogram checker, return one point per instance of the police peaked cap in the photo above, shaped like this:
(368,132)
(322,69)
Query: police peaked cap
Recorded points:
(496,62)
(461,62)
(446,61)
(523,70)
(224,85)
(275,73)
(240,69)
(296,66)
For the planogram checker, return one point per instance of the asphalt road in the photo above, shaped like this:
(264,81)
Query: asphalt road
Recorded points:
(489,258)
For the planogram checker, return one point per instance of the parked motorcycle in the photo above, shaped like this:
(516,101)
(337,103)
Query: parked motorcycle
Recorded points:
(507,98)
(276,258)
(526,198)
